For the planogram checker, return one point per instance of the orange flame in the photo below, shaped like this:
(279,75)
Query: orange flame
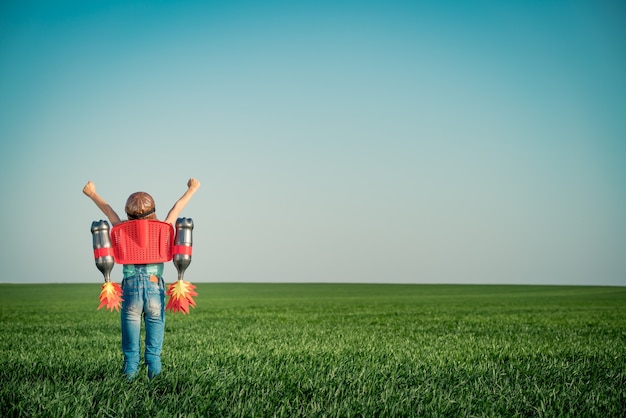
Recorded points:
(181,296)
(111,296)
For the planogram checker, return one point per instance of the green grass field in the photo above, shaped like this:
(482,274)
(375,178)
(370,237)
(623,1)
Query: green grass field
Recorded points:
(324,350)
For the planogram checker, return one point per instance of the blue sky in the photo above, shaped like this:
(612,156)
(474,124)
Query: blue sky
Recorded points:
(343,141)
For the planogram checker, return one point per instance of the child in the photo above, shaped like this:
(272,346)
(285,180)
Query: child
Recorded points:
(143,286)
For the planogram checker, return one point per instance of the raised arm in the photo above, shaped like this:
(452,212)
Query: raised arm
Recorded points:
(192,186)
(90,191)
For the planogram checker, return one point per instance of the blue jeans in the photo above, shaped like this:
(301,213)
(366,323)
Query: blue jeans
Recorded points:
(144,295)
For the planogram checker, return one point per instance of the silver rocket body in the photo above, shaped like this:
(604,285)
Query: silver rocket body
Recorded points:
(102,239)
(184,228)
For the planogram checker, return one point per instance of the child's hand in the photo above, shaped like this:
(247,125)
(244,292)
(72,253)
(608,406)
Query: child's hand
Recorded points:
(193,184)
(89,189)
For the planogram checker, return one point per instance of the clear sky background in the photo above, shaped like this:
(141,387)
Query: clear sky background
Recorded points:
(336,141)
